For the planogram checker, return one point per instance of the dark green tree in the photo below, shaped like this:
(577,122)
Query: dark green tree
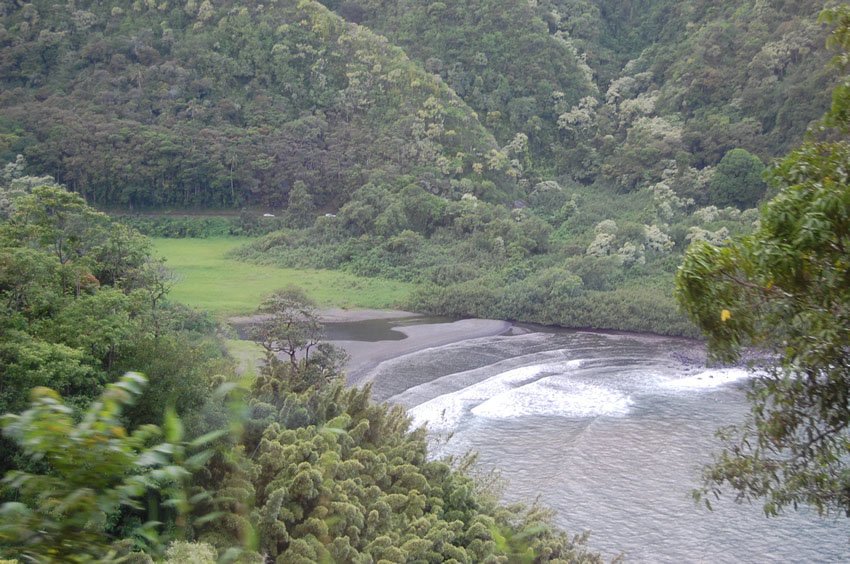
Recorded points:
(738,180)
(300,212)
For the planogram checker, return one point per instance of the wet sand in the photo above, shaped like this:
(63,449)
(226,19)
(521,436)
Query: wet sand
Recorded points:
(366,355)
(411,332)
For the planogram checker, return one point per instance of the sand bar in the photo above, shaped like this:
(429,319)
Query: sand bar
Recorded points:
(364,356)
(419,334)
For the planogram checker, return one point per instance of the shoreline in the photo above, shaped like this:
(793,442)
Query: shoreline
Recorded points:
(419,335)
(364,356)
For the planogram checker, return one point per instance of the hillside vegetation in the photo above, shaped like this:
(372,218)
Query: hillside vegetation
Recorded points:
(176,103)
(543,161)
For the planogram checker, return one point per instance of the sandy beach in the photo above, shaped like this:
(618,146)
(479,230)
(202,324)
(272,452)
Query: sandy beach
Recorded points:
(411,332)
(366,355)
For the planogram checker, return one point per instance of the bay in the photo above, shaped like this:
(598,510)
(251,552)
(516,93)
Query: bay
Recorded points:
(608,430)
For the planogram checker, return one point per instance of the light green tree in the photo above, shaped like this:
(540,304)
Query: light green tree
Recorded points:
(786,289)
(95,468)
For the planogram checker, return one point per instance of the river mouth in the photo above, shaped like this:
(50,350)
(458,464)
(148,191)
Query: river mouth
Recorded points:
(609,430)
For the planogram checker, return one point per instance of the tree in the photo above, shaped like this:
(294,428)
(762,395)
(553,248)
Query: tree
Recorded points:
(738,180)
(300,212)
(290,325)
(95,467)
(58,220)
(77,325)
(786,289)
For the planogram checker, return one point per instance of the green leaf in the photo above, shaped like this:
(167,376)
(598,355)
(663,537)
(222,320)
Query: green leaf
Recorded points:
(172,426)
(197,461)
(207,438)
(209,517)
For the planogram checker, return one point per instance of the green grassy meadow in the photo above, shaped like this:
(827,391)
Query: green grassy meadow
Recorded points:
(207,279)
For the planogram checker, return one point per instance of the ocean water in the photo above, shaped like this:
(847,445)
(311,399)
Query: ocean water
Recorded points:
(611,432)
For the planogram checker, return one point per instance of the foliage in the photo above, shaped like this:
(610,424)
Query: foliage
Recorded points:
(82,303)
(96,468)
(473,45)
(784,289)
(221,104)
(183,227)
(686,82)
(52,246)
(472,258)
(181,552)
(737,181)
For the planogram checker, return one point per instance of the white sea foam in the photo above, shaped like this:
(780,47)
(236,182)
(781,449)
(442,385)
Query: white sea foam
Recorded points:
(518,392)
(444,412)
(708,380)
(456,381)
(542,398)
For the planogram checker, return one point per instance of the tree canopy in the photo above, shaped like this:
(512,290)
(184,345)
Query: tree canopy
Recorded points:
(786,289)
(738,181)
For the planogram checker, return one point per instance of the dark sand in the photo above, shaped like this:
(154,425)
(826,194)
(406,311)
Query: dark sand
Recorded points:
(365,355)
(419,334)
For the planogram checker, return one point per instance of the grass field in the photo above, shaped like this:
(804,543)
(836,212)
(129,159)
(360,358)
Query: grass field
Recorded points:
(206,279)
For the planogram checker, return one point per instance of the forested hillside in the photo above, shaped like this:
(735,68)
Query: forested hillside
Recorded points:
(146,104)
(713,76)
(497,55)
(221,103)
(692,80)
(537,161)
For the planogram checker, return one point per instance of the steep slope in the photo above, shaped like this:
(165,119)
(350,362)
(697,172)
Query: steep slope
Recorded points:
(689,81)
(497,55)
(226,103)
(610,33)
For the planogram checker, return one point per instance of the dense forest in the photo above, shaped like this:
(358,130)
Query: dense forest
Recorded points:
(252,98)
(544,162)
